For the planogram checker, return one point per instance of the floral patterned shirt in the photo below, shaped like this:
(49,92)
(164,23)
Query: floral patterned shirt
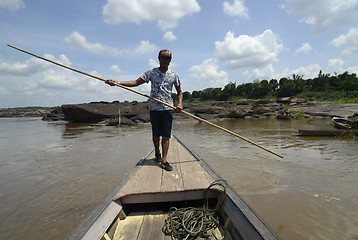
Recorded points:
(161,87)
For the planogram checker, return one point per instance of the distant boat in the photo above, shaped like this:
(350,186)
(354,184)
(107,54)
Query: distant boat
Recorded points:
(342,123)
(327,132)
(283,114)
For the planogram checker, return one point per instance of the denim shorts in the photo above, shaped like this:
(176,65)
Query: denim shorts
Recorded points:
(161,123)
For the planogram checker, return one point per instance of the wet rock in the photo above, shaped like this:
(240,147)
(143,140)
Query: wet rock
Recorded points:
(54,115)
(141,118)
(235,113)
(126,122)
(90,112)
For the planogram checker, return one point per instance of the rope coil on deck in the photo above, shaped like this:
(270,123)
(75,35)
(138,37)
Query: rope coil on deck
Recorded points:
(190,223)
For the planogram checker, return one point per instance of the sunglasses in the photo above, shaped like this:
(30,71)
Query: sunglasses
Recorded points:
(165,57)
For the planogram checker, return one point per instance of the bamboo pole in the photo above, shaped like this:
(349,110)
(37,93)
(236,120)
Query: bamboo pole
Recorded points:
(154,99)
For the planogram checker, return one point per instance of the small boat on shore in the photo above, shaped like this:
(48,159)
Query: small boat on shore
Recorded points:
(342,123)
(149,201)
(283,114)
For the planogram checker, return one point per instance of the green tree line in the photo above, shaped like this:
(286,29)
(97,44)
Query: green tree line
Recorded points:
(322,87)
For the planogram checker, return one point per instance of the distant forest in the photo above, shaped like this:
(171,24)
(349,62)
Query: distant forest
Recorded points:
(341,87)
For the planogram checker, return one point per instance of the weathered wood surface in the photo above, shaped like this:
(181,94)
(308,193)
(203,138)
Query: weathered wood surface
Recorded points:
(99,228)
(187,174)
(146,226)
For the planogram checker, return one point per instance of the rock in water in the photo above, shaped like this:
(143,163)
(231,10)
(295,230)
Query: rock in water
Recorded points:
(90,112)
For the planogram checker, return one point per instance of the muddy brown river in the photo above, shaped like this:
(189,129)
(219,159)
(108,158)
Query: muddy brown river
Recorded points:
(53,174)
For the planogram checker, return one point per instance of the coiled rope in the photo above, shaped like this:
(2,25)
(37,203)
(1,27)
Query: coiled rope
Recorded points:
(190,223)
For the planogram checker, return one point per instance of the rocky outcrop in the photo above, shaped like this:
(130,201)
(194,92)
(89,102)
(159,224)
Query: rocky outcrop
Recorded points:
(25,112)
(93,112)
(134,113)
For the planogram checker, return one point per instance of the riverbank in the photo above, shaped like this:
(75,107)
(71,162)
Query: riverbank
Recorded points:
(136,113)
(26,111)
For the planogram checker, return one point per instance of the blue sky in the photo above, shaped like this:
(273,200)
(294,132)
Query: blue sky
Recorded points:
(213,43)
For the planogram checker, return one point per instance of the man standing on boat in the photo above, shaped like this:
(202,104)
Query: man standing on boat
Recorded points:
(161,116)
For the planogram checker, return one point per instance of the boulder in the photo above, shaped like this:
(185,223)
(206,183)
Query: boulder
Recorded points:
(207,109)
(141,118)
(283,100)
(54,115)
(298,100)
(90,112)
(235,113)
(126,122)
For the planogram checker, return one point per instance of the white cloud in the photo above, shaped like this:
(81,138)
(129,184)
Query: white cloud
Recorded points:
(169,37)
(12,5)
(349,40)
(152,63)
(3,91)
(305,48)
(166,13)
(40,77)
(267,72)
(146,47)
(56,79)
(115,69)
(309,71)
(353,69)
(335,65)
(78,40)
(247,51)
(30,66)
(324,15)
(236,9)
(208,70)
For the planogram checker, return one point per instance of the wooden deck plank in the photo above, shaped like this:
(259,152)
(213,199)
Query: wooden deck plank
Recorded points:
(128,187)
(129,228)
(187,174)
(147,226)
(194,176)
(172,181)
(149,180)
(152,226)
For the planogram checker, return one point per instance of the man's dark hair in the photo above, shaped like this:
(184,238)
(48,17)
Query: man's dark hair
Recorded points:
(164,50)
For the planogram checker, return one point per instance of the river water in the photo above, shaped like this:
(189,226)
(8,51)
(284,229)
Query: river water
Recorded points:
(53,173)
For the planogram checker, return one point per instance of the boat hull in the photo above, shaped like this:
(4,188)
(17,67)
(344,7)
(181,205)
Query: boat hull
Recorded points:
(134,201)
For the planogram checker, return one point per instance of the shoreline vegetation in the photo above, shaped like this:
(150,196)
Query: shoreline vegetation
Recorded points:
(323,96)
(341,88)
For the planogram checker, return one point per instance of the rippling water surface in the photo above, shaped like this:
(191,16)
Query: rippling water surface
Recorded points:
(53,174)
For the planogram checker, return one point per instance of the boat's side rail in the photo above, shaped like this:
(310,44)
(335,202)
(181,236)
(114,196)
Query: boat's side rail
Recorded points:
(105,219)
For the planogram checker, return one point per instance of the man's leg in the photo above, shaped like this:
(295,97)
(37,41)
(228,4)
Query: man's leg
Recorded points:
(155,121)
(165,148)
(156,142)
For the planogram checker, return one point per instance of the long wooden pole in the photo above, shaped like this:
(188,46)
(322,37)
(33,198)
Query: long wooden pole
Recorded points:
(154,99)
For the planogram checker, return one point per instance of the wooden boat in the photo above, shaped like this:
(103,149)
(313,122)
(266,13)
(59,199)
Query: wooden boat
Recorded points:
(328,132)
(138,207)
(342,123)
